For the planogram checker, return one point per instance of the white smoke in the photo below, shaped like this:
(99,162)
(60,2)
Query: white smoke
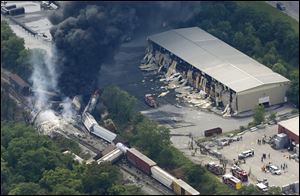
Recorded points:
(44,81)
(44,77)
(67,112)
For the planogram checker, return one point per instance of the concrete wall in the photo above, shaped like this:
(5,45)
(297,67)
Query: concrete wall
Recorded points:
(247,100)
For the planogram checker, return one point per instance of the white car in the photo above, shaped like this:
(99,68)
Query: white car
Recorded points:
(245,154)
(262,187)
(274,170)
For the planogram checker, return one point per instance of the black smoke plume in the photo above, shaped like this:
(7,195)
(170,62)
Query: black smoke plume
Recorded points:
(88,34)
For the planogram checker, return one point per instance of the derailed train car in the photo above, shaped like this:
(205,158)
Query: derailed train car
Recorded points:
(136,158)
(112,156)
(94,128)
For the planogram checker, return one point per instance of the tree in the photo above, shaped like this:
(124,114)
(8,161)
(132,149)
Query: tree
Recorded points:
(150,137)
(53,179)
(279,68)
(62,190)
(97,179)
(5,173)
(14,56)
(27,189)
(249,190)
(119,103)
(124,190)
(293,92)
(274,191)
(166,162)
(258,114)
(272,116)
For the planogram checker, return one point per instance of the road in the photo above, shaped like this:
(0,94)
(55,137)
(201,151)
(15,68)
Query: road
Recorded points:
(292,8)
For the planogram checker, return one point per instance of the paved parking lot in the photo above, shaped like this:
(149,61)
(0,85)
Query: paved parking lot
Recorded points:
(277,157)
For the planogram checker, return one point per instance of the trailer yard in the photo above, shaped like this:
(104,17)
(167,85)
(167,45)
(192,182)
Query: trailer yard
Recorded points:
(253,164)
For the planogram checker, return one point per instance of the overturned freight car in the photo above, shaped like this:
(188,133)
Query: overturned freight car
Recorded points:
(94,128)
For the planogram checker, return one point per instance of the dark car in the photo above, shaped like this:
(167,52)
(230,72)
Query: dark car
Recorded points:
(280,6)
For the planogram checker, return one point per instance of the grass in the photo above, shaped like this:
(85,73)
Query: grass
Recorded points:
(273,12)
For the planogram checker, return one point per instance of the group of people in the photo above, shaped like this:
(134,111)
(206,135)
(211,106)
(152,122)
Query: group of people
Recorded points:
(283,166)
(263,140)
(264,156)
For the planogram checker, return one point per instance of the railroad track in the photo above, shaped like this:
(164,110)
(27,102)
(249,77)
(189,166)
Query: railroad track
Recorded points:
(84,143)
(143,178)
(146,179)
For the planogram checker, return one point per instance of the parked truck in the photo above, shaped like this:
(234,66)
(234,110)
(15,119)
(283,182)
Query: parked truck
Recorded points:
(210,132)
(239,173)
(215,168)
(232,181)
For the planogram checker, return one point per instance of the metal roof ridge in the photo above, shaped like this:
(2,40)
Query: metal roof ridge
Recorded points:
(215,55)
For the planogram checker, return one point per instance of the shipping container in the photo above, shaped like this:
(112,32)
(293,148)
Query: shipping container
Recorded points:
(182,188)
(210,132)
(9,7)
(17,11)
(139,160)
(162,176)
(112,157)
(103,133)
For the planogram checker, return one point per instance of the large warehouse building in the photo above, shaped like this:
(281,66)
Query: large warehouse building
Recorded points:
(231,78)
(291,128)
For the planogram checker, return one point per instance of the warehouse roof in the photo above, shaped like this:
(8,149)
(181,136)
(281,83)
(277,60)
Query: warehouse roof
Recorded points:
(216,58)
(291,124)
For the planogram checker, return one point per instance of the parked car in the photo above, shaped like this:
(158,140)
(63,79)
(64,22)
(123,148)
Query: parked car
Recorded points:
(274,170)
(262,187)
(280,6)
(245,154)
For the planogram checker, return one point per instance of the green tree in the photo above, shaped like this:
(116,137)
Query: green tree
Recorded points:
(5,173)
(8,106)
(53,179)
(27,189)
(97,179)
(293,92)
(14,56)
(119,103)
(279,68)
(124,190)
(62,190)
(258,114)
(249,190)
(150,137)
(272,116)
(169,162)
(274,191)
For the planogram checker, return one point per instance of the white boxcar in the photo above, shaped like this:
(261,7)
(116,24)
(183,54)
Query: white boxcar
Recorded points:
(88,121)
(103,133)
(162,176)
(112,156)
